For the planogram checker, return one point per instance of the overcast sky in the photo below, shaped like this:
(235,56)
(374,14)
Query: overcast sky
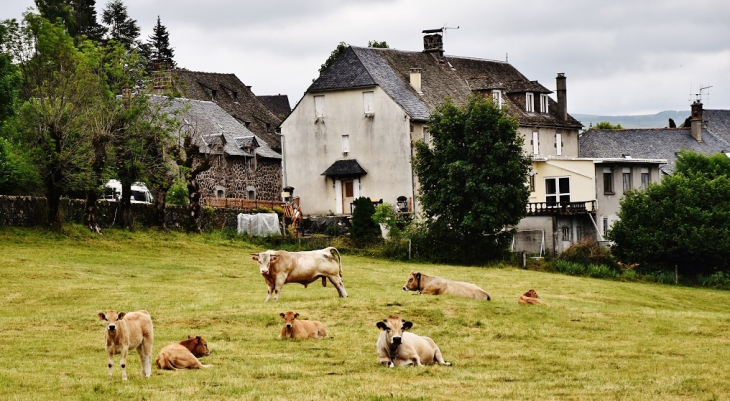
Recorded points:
(621,57)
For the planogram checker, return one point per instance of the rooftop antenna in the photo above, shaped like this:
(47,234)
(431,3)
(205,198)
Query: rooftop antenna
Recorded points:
(445,28)
(700,96)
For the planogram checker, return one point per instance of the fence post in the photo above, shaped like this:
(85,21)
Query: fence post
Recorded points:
(524,259)
(409,249)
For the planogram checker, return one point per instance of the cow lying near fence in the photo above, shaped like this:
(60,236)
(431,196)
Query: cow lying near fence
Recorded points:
(281,267)
(296,329)
(183,354)
(396,347)
(436,285)
(530,298)
(129,330)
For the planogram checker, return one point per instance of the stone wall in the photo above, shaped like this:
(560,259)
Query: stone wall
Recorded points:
(26,211)
(237,176)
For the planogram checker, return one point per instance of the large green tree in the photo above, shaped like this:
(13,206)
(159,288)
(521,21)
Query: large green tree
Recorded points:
(78,16)
(159,44)
(472,181)
(121,27)
(684,221)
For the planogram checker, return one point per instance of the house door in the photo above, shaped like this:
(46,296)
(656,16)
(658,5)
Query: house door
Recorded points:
(348,195)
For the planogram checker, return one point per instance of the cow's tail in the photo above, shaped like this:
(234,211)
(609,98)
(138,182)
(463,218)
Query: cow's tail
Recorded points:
(339,258)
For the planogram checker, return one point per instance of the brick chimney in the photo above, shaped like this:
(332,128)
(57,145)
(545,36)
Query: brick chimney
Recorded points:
(696,121)
(562,97)
(416,79)
(433,41)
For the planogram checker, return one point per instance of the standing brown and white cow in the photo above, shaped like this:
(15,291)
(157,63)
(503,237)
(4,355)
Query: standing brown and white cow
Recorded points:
(281,267)
(396,347)
(125,331)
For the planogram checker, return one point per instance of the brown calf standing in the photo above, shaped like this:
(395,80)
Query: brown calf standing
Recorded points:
(129,330)
(294,328)
(530,298)
(183,354)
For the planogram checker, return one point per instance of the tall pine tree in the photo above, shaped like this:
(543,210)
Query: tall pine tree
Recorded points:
(159,44)
(78,16)
(122,28)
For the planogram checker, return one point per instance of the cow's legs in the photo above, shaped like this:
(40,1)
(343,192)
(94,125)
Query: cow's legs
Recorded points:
(123,362)
(145,358)
(270,290)
(110,358)
(439,358)
(278,286)
(337,282)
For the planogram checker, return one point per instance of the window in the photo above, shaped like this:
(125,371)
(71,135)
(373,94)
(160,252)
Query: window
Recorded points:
(345,144)
(319,106)
(557,191)
(605,227)
(427,136)
(645,178)
(368,103)
(532,181)
(529,102)
(535,147)
(607,181)
(215,95)
(627,178)
(543,103)
(497,97)
(559,144)
(566,233)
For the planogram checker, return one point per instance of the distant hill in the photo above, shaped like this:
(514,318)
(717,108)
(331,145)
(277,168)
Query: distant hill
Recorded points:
(658,120)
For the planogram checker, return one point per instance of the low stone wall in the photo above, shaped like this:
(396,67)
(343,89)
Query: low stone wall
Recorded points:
(26,211)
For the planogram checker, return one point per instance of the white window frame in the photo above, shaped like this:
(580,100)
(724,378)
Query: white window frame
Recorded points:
(543,103)
(557,195)
(319,106)
(497,97)
(529,102)
(645,178)
(535,142)
(368,103)
(559,144)
(345,144)
(626,179)
(427,136)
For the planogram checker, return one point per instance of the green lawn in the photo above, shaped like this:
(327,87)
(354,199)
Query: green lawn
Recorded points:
(596,339)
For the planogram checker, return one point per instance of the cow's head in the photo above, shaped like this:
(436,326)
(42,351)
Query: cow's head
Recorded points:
(111,317)
(289,317)
(531,294)
(393,327)
(413,282)
(197,346)
(265,259)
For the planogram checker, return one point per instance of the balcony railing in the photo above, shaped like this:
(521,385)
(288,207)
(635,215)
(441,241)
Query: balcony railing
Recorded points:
(560,208)
(239,204)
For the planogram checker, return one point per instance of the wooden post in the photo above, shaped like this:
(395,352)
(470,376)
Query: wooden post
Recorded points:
(409,249)
(676,274)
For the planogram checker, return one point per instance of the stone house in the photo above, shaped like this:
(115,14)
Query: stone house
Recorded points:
(352,133)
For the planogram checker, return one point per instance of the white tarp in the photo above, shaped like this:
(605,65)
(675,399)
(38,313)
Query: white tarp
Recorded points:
(261,224)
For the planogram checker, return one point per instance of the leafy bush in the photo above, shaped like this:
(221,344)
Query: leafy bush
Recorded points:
(364,229)
(587,252)
(716,280)
(571,268)
(178,193)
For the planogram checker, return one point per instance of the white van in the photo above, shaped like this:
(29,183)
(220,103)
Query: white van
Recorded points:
(140,193)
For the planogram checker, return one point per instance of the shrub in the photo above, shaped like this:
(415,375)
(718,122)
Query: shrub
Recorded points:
(178,194)
(588,252)
(364,229)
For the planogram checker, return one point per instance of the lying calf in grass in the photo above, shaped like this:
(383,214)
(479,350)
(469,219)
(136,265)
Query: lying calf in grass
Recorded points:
(396,347)
(294,328)
(436,285)
(183,354)
(530,298)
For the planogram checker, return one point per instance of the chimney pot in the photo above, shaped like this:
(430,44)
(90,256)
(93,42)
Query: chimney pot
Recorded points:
(416,79)
(696,121)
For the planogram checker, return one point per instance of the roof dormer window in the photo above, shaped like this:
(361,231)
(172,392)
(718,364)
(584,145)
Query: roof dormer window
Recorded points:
(543,103)
(497,97)
(529,102)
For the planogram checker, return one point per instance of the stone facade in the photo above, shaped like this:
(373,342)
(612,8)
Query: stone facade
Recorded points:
(242,178)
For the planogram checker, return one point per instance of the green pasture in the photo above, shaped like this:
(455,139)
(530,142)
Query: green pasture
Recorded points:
(596,339)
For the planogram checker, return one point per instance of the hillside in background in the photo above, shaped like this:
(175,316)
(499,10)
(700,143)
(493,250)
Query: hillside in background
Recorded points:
(658,120)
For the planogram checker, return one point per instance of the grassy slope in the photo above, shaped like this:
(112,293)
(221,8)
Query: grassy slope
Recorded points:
(597,339)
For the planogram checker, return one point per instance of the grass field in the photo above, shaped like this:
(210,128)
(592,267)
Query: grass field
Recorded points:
(596,339)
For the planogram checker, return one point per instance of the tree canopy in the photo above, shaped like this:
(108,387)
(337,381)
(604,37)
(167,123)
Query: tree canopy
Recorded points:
(159,44)
(682,221)
(121,27)
(472,180)
(376,44)
(607,125)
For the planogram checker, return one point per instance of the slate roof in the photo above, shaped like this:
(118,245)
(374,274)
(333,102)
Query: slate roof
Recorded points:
(344,167)
(216,127)
(277,104)
(441,77)
(653,143)
(717,122)
(234,97)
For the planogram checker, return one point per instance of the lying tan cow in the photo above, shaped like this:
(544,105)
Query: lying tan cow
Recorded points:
(125,331)
(436,285)
(183,354)
(396,347)
(530,298)
(281,267)
(295,328)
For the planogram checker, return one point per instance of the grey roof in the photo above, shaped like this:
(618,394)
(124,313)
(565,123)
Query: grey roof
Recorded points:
(345,168)
(441,77)
(654,143)
(717,122)
(215,126)
(277,104)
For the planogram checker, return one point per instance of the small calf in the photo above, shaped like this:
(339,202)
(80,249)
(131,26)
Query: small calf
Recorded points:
(183,354)
(128,330)
(530,298)
(294,328)
(396,347)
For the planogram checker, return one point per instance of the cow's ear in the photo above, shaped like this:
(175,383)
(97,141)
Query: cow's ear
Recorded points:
(121,316)
(296,315)
(102,316)
(418,275)
(189,337)
(274,258)
(381,326)
(197,339)
(283,316)
(407,325)
(255,256)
